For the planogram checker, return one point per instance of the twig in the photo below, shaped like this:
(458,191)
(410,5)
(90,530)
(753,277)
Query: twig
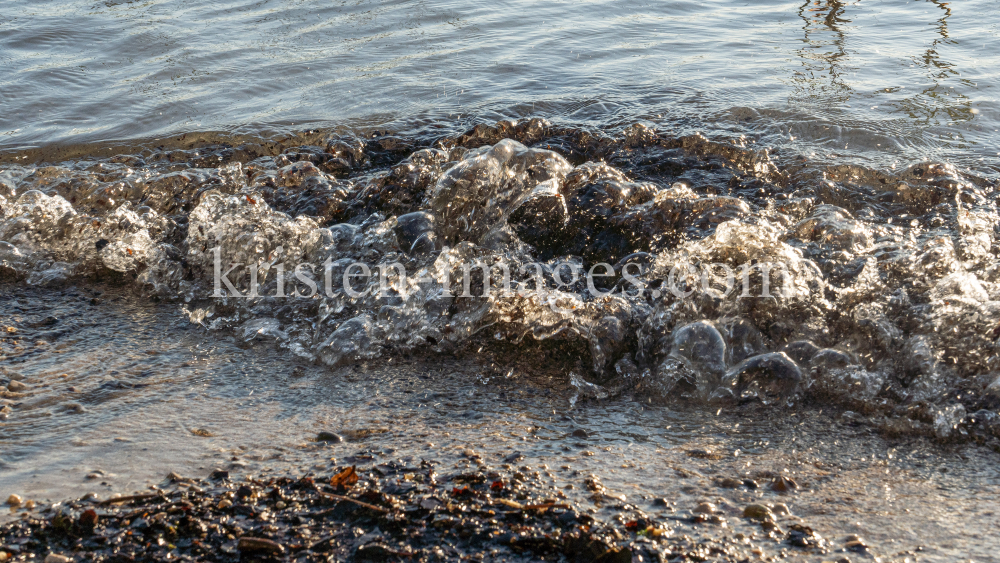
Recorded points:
(355,501)
(520,506)
(117,500)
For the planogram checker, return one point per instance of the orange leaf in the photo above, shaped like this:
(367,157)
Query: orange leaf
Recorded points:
(345,478)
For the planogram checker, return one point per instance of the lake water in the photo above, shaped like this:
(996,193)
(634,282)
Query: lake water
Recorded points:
(892,80)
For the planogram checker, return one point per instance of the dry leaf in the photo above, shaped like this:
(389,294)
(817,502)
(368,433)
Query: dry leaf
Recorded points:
(346,478)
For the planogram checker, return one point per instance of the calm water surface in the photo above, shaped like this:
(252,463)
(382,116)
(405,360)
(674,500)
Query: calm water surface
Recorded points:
(880,80)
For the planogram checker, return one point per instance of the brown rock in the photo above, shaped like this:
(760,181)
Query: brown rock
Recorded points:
(784,484)
(259,545)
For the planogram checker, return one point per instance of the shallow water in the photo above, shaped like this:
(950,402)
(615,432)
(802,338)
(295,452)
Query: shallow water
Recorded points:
(160,395)
(855,141)
(893,80)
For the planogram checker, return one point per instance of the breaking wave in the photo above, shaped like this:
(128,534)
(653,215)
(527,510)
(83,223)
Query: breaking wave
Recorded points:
(894,306)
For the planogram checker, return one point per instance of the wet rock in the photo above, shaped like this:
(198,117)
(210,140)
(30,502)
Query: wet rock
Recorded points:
(783,484)
(730,483)
(415,232)
(244,492)
(801,351)
(857,546)
(56,558)
(758,512)
(580,433)
(17,387)
(376,552)
(804,537)
(773,373)
(14,500)
(704,508)
(259,545)
(750,484)
(329,437)
(88,519)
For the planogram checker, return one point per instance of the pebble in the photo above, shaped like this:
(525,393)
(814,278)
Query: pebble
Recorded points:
(858,546)
(16,387)
(55,558)
(781,508)
(29,505)
(329,437)
(758,512)
(224,504)
(14,500)
(580,433)
(730,483)
(4,556)
(88,519)
(247,544)
(705,508)
(783,484)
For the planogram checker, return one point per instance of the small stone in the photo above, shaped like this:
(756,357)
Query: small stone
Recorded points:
(88,519)
(29,505)
(329,437)
(704,508)
(781,508)
(580,433)
(244,492)
(55,558)
(856,546)
(4,556)
(758,512)
(17,387)
(280,505)
(784,484)
(259,545)
(14,500)
(175,477)
(750,484)
(224,504)
(730,483)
